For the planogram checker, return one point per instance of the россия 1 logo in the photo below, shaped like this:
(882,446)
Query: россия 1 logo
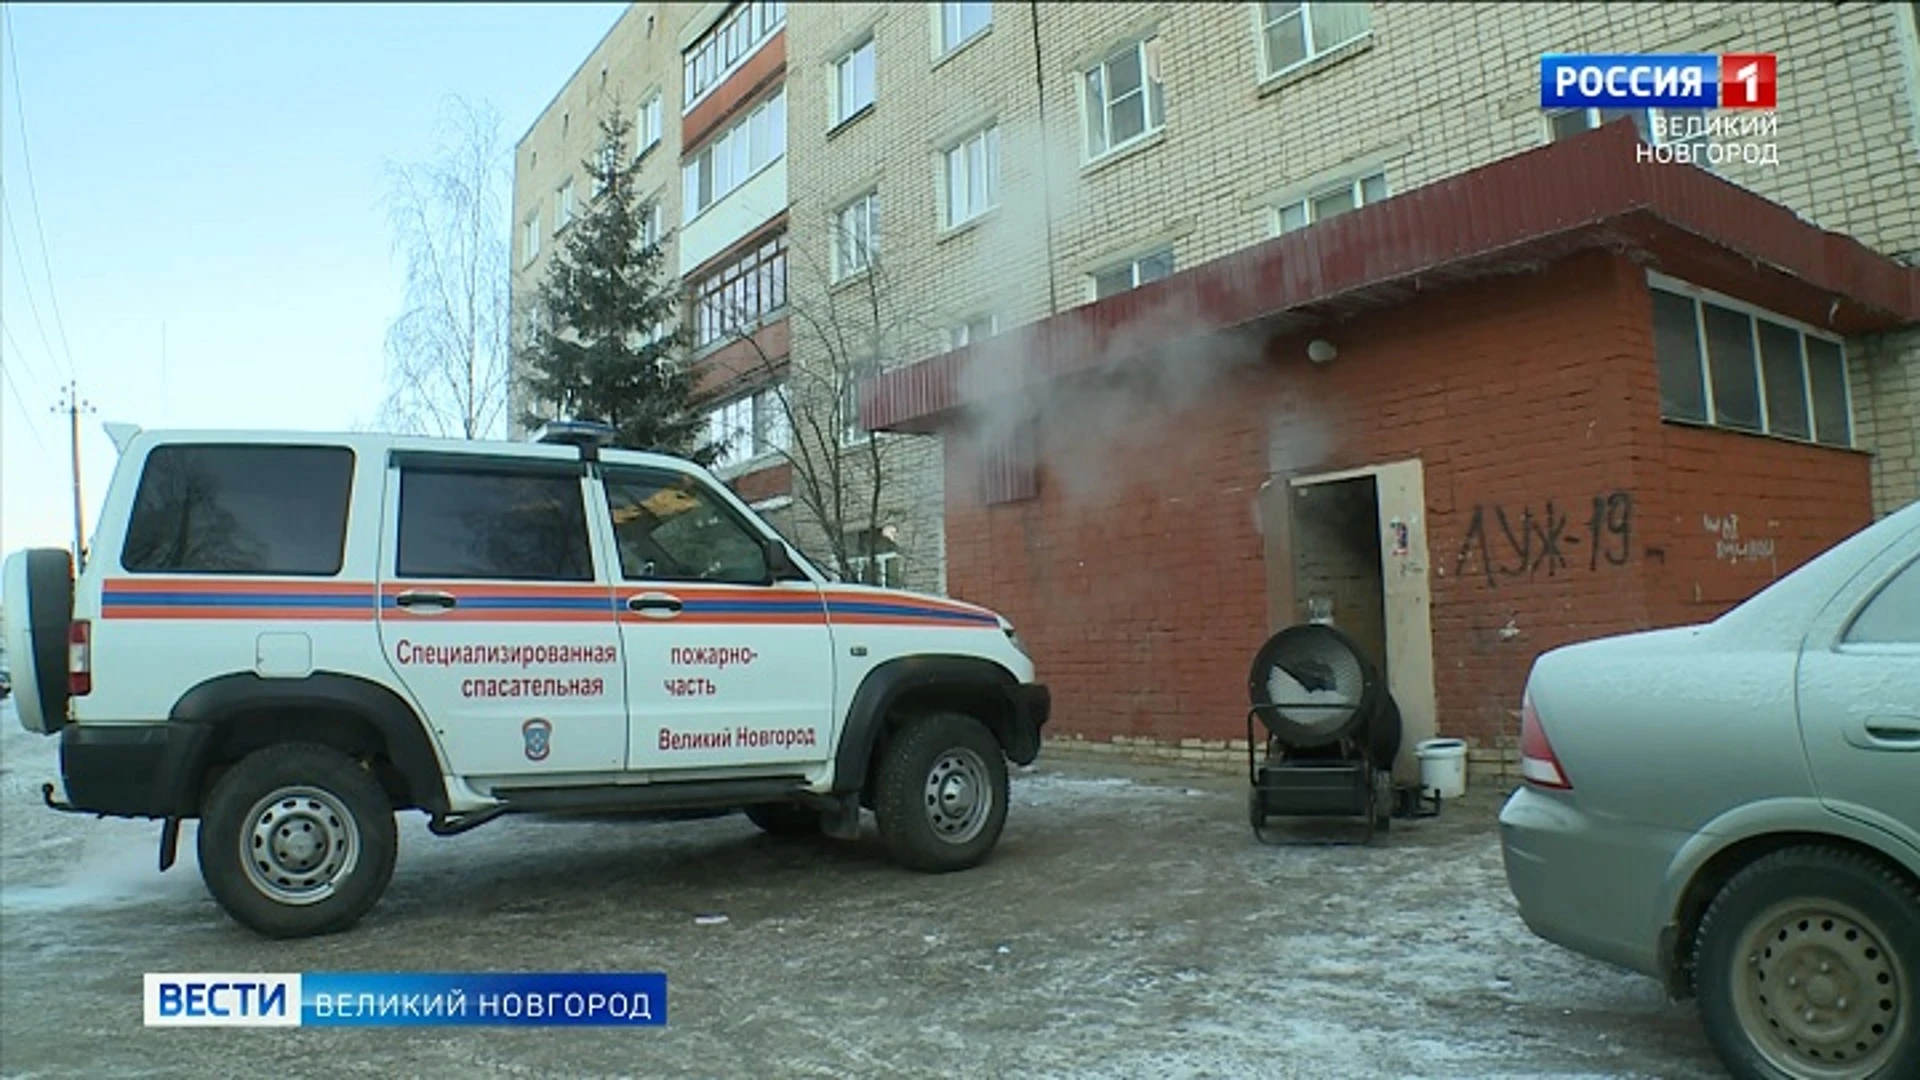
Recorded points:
(1652,80)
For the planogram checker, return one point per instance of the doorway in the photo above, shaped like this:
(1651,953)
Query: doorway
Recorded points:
(1350,549)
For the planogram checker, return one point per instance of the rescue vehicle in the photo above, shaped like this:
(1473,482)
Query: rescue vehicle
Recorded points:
(289,637)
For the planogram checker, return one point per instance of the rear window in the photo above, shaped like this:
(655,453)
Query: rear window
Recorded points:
(250,509)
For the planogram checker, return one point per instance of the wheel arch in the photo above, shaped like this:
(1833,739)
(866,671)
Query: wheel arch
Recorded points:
(231,715)
(905,686)
(1711,870)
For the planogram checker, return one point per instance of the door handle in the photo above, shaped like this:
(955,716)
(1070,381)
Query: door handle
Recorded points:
(655,605)
(425,601)
(1887,733)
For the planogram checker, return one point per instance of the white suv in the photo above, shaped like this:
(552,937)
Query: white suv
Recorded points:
(291,636)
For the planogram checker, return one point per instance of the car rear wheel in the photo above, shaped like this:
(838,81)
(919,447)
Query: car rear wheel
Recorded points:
(1805,968)
(297,840)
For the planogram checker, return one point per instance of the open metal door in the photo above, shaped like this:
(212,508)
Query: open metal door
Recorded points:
(1401,489)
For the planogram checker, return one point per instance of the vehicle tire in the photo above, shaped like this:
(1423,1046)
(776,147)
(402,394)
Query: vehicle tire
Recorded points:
(1806,966)
(785,819)
(297,840)
(940,793)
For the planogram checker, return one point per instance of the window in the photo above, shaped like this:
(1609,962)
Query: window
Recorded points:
(1292,34)
(1330,202)
(853,83)
(973,177)
(852,431)
(515,523)
(1124,100)
(961,23)
(646,128)
(1656,126)
(978,328)
(741,295)
(671,527)
(1133,274)
(728,44)
(650,223)
(856,236)
(749,427)
(603,163)
(1892,617)
(1725,365)
(530,239)
(239,509)
(736,156)
(563,206)
(873,559)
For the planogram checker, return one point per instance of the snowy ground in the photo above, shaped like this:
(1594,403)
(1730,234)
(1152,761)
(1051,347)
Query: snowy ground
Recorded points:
(1128,926)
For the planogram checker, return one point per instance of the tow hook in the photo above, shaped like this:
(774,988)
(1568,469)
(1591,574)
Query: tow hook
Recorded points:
(169,842)
(46,795)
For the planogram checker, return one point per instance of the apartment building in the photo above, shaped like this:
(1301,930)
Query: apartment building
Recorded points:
(1184,321)
(704,87)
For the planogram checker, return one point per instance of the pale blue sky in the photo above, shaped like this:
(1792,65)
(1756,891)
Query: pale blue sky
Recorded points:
(218,169)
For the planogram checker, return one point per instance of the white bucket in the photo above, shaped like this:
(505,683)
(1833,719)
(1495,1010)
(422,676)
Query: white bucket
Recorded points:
(1443,767)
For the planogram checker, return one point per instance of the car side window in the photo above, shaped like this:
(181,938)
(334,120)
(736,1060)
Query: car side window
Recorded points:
(512,524)
(670,527)
(240,509)
(1893,615)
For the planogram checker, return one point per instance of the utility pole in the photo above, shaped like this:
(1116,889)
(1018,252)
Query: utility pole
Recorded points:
(72,404)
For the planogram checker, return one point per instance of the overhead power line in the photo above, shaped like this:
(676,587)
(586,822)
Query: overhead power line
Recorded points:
(26,285)
(26,157)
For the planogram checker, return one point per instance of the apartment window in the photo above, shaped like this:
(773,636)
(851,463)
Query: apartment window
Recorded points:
(1292,34)
(872,559)
(853,83)
(856,236)
(741,295)
(1657,127)
(725,163)
(976,329)
(647,125)
(1724,364)
(563,206)
(530,239)
(749,427)
(852,431)
(973,177)
(604,162)
(1124,100)
(1331,201)
(728,44)
(650,223)
(961,23)
(1133,273)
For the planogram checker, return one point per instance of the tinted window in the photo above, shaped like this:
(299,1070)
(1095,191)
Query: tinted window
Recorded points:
(1786,381)
(522,526)
(1736,392)
(671,527)
(240,510)
(1827,368)
(1893,615)
(1676,344)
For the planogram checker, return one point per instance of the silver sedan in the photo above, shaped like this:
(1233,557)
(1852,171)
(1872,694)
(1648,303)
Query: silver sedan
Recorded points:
(1734,808)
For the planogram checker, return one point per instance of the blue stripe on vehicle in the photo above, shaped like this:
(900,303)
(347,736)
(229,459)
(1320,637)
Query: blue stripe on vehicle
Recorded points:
(868,607)
(169,599)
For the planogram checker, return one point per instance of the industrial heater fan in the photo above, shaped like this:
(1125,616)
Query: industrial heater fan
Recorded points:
(1331,731)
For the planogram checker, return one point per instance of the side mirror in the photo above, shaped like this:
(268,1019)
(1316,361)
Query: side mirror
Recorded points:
(780,564)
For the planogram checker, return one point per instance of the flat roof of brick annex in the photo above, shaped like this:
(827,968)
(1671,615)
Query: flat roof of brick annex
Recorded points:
(1513,215)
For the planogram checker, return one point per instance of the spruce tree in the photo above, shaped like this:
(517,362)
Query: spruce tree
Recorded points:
(592,354)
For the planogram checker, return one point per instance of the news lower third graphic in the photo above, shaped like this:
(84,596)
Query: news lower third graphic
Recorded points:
(407,999)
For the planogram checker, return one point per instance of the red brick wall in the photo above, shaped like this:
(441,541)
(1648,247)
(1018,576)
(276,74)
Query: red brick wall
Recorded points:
(1137,577)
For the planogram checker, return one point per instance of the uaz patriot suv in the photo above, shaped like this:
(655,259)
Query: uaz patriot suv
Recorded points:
(290,637)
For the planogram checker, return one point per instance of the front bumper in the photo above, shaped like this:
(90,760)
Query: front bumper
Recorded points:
(130,770)
(1031,704)
(1588,884)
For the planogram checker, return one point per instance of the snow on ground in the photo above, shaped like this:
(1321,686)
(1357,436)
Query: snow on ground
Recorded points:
(1129,926)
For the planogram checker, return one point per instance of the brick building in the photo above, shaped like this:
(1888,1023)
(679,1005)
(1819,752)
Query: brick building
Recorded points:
(1006,167)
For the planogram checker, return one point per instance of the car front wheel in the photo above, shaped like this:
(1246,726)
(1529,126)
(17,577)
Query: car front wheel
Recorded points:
(296,841)
(940,793)
(1806,965)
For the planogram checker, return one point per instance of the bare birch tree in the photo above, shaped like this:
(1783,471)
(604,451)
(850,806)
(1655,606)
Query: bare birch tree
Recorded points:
(448,351)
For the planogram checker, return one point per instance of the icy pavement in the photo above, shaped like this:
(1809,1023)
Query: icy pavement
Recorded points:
(1128,926)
